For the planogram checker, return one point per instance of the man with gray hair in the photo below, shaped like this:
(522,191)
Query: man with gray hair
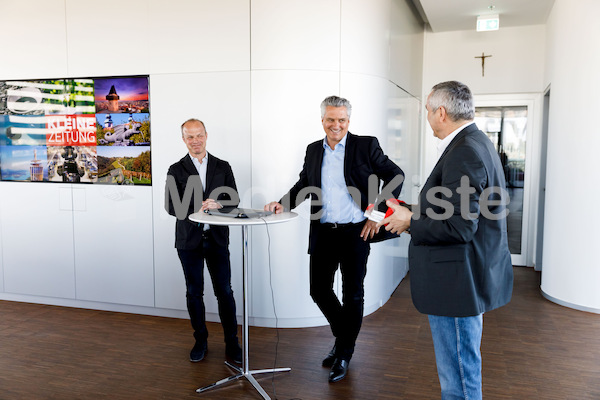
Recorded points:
(459,260)
(338,172)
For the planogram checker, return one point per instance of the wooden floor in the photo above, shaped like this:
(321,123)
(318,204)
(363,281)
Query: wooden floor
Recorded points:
(532,349)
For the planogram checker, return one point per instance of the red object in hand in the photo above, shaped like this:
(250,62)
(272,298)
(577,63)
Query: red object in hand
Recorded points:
(390,210)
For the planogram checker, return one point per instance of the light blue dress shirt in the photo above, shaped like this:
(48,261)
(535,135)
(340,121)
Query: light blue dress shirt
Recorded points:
(338,205)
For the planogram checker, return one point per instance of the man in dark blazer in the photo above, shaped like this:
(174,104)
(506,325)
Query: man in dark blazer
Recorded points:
(459,260)
(198,182)
(342,174)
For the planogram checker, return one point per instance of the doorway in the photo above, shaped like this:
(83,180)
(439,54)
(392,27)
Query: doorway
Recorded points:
(506,126)
(539,240)
(510,123)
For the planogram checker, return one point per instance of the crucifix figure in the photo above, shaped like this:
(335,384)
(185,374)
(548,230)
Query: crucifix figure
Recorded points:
(483,57)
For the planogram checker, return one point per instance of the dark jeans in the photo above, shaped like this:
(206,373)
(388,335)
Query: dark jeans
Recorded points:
(343,247)
(219,267)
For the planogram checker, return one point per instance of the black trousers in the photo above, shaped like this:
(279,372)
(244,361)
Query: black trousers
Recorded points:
(219,267)
(340,246)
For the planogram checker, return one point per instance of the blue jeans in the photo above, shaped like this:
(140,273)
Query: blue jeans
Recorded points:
(457,344)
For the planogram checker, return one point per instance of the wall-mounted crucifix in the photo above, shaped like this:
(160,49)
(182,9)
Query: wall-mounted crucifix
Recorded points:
(483,57)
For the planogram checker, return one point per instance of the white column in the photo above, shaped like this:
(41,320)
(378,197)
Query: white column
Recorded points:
(571,272)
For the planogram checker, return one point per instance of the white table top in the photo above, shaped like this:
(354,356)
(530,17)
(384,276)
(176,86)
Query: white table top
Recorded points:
(205,218)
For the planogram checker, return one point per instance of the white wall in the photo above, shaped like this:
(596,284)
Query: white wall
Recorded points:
(38,256)
(45,39)
(406,47)
(516,66)
(255,72)
(570,274)
(143,37)
(292,71)
(174,99)
(513,75)
(562,55)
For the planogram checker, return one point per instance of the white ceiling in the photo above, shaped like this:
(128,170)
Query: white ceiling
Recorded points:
(454,15)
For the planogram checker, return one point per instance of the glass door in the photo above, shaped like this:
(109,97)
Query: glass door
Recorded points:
(506,126)
(513,124)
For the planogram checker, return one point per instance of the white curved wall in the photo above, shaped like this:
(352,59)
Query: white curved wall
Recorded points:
(570,274)
(346,51)
(255,71)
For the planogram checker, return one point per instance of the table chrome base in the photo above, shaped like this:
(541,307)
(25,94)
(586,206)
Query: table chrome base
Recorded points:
(244,371)
(247,375)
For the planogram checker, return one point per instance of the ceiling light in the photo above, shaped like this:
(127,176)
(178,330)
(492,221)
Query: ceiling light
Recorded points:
(488,23)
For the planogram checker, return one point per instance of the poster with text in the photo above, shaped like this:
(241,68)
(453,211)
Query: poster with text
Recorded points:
(61,130)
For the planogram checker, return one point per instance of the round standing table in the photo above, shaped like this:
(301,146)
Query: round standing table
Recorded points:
(244,371)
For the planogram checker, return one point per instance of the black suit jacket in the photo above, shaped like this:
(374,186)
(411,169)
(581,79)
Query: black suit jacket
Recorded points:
(184,195)
(459,266)
(363,158)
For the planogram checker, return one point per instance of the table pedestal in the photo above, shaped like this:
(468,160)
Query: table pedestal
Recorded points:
(244,371)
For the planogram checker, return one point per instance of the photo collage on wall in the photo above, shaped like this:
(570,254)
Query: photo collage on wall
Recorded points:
(94,130)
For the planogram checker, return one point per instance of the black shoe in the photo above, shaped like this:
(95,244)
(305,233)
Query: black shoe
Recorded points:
(338,370)
(328,361)
(233,351)
(198,352)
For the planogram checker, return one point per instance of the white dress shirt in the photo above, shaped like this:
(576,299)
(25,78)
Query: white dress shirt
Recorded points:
(201,168)
(443,144)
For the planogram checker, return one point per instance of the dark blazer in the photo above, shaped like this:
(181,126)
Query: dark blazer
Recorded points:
(183,176)
(459,266)
(363,158)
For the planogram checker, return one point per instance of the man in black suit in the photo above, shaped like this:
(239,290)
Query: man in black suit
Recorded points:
(342,174)
(460,265)
(198,182)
